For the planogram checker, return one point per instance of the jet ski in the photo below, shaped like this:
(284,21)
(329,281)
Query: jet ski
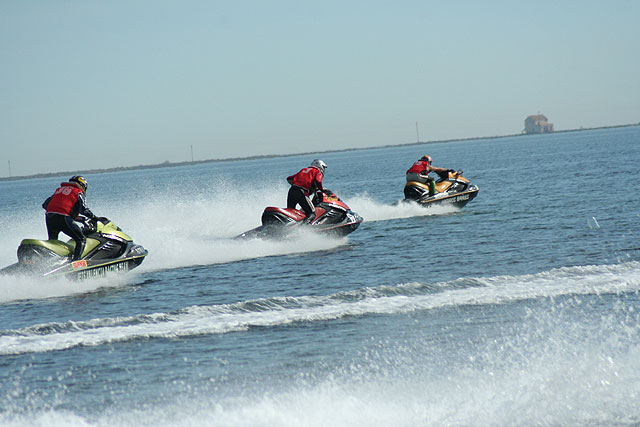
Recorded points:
(108,249)
(451,189)
(333,216)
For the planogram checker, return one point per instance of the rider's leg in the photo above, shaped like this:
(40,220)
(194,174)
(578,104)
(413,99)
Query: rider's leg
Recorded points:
(74,231)
(432,186)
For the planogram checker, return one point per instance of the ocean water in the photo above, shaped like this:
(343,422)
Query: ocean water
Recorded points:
(522,308)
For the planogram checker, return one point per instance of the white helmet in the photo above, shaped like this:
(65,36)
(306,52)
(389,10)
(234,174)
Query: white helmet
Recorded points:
(317,163)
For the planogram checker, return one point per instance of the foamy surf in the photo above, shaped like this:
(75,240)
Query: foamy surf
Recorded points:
(177,253)
(182,229)
(20,287)
(399,299)
(178,230)
(203,251)
(372,210)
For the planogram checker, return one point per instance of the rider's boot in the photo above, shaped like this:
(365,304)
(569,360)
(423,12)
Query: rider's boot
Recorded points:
(310,218)
(77,253)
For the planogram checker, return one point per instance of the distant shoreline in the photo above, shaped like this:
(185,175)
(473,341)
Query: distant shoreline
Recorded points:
(267,156)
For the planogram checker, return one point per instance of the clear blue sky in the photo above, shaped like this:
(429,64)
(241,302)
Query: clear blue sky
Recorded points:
(99,84)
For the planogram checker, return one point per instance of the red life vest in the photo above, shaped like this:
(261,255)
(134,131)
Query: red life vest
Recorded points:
(306,178)
(419,167)
(64,199)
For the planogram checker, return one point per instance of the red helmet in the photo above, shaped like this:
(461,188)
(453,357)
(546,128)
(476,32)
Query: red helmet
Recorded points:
(426,158)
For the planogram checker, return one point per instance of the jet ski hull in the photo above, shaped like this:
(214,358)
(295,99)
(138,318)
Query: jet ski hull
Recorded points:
(457,200)
(79,270)
(279,231)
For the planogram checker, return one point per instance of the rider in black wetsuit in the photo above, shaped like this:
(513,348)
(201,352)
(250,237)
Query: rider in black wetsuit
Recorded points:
(66,203)
(303,185)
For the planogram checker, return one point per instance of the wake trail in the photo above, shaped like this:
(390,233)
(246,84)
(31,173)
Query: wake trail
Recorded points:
(372,210)
(398,299)
(178,229)
(186,229)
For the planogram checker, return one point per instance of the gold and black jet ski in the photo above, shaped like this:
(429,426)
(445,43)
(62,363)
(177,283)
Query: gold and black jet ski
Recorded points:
(450,189)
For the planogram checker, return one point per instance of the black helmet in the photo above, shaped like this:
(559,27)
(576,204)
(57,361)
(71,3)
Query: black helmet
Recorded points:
(81,181)
(317,163)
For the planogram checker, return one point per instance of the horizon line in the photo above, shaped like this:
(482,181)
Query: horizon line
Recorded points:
(167,163)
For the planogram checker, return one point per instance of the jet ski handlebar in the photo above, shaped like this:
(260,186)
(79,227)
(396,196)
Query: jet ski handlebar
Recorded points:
(91,224)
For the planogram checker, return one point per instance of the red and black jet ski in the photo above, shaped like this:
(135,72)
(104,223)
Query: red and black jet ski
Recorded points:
(333,216)
(108,249)
(451,189)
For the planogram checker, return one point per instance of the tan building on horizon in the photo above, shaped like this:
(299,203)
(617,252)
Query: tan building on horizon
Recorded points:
(537,123)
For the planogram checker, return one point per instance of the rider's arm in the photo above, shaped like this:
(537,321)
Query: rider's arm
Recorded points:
(318,180)
(83,209)
(436,169)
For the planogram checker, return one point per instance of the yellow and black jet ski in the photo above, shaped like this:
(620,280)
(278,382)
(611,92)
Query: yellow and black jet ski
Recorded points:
(108,249)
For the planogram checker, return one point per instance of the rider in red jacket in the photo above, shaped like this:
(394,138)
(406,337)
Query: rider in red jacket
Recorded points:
(303,184)
(63,207)
(419,172)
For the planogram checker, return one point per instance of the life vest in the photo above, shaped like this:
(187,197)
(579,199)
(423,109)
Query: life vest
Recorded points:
(307,178)
(64,199)
(419,167)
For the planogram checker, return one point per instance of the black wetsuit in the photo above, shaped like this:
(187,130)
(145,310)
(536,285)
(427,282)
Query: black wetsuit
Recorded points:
(58,222)
(298,196)
(303,184)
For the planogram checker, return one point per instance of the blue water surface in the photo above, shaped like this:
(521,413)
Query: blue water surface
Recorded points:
(519,309)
